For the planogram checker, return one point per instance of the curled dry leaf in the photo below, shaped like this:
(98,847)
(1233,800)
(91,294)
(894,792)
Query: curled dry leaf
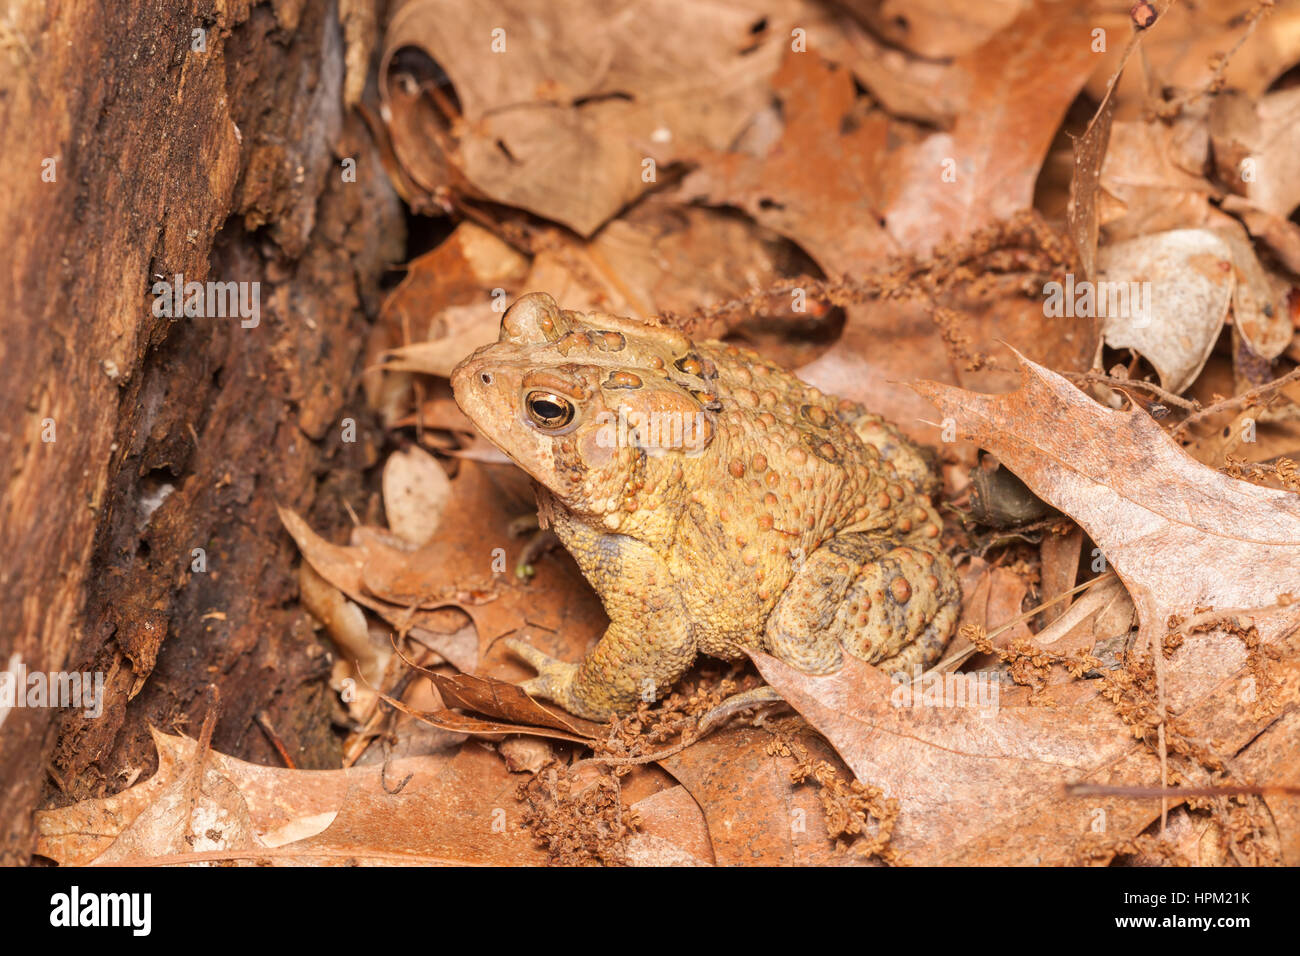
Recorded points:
(1257,148)
(343,568)
(1259,311)
(344,621)
(525,754)
(443,307)
(1085,183)
(457,723)
(1166,297)
(362,651)
(465,565)
(1152,178)
(506,701)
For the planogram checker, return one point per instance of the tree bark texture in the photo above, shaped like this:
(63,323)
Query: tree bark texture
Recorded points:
(131,440)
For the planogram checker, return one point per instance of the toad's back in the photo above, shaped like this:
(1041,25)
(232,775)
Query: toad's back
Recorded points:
(788,468)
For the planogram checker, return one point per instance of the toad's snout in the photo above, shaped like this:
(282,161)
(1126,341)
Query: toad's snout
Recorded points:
(471,377)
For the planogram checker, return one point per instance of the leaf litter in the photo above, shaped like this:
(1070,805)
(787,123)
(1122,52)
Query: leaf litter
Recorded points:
(876,209)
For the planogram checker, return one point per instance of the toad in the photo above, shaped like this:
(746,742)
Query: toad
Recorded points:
(713,500)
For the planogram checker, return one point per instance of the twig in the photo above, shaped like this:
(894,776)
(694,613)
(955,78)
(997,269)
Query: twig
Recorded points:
(1174,106)
(1163,394)
(201,752)
(1102,790)
(264,721)
(1245,398)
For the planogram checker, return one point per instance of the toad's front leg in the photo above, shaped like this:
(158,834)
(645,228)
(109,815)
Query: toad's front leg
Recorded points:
(635,660)
(649,642)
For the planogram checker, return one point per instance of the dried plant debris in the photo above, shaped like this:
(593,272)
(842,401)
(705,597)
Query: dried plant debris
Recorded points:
(1069,228)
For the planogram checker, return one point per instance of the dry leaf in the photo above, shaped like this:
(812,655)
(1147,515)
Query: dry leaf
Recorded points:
(1166,297)
(562,123)
(1180,535)
(756,815)
(983,783)
(243,807)
(416,490)
(673,831)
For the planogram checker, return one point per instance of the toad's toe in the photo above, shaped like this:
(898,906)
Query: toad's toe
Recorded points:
(554,677)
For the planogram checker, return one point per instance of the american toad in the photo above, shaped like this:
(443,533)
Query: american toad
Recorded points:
(713,500)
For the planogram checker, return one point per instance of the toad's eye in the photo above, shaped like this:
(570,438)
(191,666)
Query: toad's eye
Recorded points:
(548,410)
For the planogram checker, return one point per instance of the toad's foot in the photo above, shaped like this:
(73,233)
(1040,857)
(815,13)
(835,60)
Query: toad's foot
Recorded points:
(554,679)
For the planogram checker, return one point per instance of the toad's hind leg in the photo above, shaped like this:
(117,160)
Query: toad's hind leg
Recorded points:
(910,461)
(887,603)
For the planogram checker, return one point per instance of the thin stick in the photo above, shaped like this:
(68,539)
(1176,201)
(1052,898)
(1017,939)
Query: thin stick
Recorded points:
(1249,397)
(1163,394)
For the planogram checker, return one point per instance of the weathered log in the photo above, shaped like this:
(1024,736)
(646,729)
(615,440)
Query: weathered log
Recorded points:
(146,453)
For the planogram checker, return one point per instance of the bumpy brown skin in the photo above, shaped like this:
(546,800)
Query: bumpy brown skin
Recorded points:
(735,507)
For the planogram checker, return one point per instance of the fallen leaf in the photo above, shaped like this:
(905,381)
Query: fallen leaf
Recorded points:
(562,126)
(673,831)
(416,490)
(1018,85)
(465,566)
(443,304)
(506,701)
(756,815)
(984,783)
(1085,181)
(242,807)
(995,602)
(465,814)
(980,773)
(1171,527)
(1152,178)
(1166,296)
(1060,569)
(936,28)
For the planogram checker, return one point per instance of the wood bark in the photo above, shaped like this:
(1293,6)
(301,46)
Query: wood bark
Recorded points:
(145,454)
